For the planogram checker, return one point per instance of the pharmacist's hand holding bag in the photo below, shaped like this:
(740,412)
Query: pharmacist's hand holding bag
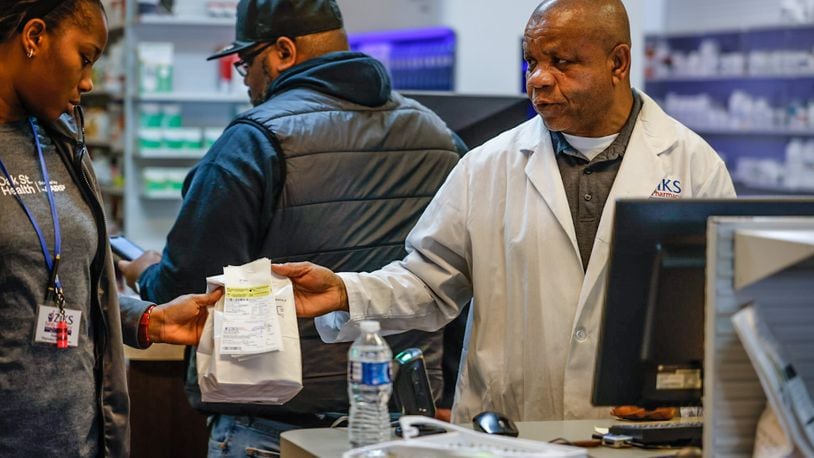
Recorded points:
(234,364)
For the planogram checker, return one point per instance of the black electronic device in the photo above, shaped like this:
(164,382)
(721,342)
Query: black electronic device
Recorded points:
(411,385)
(125,248)
(677,434)
(494,423)
(423,430)
(412,391)
(477,118)
(651,342)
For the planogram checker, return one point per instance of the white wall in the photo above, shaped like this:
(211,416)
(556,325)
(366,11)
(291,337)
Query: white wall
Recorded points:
(637,12)
(654,16)
(489,42)
(489,33)
(701,15)
(489,49)
(372,15)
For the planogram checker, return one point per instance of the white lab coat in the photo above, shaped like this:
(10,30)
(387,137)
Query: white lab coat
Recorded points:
(500,231)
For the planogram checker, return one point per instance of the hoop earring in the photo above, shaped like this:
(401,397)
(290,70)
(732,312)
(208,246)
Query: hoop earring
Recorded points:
(30,53)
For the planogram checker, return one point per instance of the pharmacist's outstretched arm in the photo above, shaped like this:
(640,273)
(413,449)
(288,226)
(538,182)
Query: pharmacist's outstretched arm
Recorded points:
(317,290)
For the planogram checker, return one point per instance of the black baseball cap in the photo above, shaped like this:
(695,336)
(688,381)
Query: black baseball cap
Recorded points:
(266,20)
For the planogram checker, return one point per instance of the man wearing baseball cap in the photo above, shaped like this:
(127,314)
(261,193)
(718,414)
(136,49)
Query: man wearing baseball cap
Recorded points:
(330,166)
(264,21)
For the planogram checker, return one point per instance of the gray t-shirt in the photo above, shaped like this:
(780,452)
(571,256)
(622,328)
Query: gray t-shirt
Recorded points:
(48,397)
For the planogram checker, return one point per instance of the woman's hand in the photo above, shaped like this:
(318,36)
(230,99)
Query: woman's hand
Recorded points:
(182,320)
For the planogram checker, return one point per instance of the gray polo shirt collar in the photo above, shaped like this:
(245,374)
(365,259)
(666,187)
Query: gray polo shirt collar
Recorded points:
(612,152)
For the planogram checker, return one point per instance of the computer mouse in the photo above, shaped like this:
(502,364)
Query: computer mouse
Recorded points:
(494,423)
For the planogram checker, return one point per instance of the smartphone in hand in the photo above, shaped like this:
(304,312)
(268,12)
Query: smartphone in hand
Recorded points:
(124,248)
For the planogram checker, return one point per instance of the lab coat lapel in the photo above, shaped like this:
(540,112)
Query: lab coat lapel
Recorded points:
(544,174)
(639,175)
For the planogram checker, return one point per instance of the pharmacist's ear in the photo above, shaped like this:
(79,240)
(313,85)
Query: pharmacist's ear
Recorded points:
(619,63)
(285,53)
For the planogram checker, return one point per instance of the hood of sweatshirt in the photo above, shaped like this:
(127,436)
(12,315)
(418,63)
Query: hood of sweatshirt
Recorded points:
(351,76)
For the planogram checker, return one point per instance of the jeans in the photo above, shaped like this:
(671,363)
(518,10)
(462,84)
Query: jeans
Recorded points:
(245,436)
(236,437)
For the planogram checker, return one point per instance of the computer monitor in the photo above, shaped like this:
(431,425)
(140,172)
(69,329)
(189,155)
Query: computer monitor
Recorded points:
(477,118)
(651,341)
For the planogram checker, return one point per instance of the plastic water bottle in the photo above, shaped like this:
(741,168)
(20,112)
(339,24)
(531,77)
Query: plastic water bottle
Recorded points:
(369,387)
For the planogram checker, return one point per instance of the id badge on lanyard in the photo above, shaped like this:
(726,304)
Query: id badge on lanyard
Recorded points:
(55,324)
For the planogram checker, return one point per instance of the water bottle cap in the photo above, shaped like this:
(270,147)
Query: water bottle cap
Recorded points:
(369,326)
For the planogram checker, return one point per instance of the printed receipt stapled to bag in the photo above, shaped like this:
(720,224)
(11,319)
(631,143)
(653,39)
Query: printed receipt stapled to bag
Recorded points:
(249,351)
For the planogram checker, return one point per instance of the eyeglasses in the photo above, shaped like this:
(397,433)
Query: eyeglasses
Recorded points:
(242,65)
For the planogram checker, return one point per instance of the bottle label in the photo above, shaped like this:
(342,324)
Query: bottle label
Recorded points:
(370,373)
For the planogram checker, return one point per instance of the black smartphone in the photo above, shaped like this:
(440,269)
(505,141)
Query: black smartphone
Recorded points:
(124,248)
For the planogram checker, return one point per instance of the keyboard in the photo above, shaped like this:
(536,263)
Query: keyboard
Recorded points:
(661,432)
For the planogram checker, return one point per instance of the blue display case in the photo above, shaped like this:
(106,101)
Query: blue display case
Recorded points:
(417,59)
(749,93)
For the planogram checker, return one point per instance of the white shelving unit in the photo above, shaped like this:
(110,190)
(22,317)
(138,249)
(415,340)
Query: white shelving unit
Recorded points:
(733,77)
(193,21)
(194,97)
(747,91)
(165,153)
(702,130)
(149,214)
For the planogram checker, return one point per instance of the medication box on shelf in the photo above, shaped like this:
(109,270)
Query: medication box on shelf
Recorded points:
(155,67)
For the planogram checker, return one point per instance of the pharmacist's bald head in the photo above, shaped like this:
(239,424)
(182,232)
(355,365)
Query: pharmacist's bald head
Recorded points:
(604,20)
(578,56)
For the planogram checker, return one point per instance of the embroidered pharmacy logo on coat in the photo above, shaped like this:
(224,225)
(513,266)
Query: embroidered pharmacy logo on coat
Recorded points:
(668,189)
(24,185)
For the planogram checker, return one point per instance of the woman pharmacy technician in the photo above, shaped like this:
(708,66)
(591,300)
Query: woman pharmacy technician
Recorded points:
(62,370)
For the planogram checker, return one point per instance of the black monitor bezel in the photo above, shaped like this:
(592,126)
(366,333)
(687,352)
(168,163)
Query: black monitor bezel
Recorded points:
(639,226)
(476,118)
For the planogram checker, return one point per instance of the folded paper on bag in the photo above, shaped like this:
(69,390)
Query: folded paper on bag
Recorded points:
(260,361)
(250,324)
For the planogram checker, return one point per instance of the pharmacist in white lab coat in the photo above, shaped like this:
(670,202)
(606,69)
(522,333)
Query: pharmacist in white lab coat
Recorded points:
(517,230)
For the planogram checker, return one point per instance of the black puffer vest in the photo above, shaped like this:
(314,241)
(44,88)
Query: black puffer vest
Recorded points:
(357,178)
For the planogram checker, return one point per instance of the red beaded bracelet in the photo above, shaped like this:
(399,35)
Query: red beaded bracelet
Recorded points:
(144,328)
